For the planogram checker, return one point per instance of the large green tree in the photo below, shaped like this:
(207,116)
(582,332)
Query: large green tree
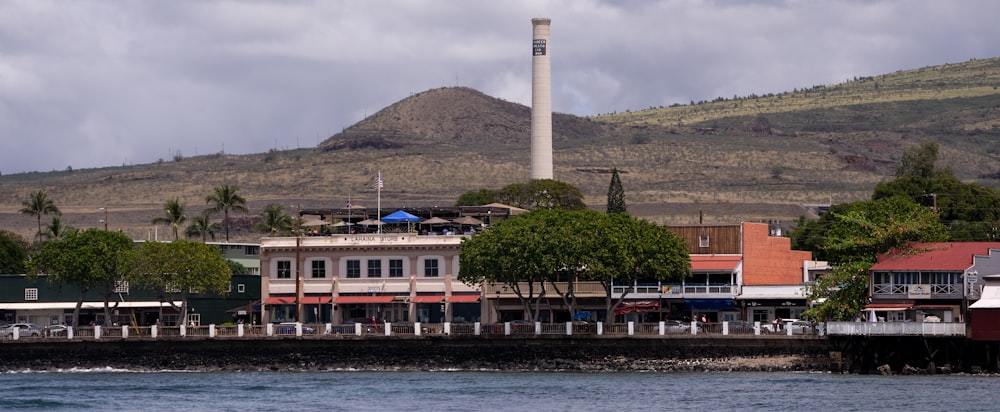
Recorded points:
(562,247)
(13,252)
(274,221)
(173,216)
(850,237)
(542,194)
(180,268)
(225,199)
(476,198)
(88,260)
(39,204)
(616,194)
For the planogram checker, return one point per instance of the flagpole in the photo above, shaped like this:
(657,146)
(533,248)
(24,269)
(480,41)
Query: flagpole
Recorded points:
(378,218)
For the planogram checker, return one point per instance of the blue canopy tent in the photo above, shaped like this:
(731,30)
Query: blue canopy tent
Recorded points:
(401,216)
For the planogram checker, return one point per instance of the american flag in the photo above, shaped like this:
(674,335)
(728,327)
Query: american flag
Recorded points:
(348,200)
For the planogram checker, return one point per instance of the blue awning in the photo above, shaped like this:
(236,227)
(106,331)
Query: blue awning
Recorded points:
(400,216)
(708,304)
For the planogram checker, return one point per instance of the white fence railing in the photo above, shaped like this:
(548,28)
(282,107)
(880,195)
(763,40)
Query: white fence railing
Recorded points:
(895,329)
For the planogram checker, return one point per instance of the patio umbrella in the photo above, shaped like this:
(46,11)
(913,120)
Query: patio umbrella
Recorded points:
(468,220)
(368,222)
(435,221)
(342,223)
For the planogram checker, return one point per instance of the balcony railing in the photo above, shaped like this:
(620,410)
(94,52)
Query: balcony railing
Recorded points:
(895,329)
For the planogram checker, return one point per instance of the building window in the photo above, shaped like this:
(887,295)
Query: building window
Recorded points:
(703,241)
(251,250)
(121,286)
(30,293)
(354,268)
(229,288)
(374,268)
(318,269)
(194,319)
(431,268)
(395,268)
(241,288)
(284,269)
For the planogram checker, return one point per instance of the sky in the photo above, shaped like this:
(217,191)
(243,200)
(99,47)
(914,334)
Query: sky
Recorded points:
(88,84)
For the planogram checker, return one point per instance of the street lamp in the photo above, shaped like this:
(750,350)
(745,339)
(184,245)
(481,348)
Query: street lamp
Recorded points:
(298,266)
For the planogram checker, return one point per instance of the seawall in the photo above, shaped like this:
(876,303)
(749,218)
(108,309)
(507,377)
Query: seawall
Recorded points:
(427,353)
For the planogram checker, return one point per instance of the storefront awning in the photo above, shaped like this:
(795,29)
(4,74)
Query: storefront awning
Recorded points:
(316,300)
(428,299)
(637,306)
(280,300)
(463,299)
(340,300)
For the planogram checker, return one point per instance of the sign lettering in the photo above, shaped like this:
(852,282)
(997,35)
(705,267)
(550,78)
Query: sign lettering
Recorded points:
(538,47)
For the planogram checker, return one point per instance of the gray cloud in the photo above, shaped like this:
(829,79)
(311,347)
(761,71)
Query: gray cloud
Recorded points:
(93,83)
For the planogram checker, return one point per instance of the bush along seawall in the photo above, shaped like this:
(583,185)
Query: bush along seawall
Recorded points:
(427,353)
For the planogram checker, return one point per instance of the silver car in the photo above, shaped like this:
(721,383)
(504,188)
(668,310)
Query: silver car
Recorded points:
(24,330)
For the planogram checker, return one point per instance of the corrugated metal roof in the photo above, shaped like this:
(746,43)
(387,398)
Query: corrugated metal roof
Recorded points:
(949,256)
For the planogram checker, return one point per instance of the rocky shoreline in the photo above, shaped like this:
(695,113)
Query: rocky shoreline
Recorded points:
(421,355)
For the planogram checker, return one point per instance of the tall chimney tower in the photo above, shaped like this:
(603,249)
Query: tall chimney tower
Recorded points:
(541,100)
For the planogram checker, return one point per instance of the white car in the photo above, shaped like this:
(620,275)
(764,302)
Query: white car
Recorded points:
(24,330)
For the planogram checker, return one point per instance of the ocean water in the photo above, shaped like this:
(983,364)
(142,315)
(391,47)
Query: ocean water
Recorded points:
(112,390)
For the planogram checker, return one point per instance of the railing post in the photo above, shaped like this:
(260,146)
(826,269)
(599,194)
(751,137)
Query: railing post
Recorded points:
(298,329)
(269,330)
(694,327)
(416,328)
(153,331)
(447,328)
(663,328)
(357,329)
(600,328)
(97,331)
(239,330)
(211,330)
(538,328)
(725,327)
(506,328)
(388,329)
(15,333)
(329,329)
(183,330)
(69,332)
(569,328)
(631,328)
(756,327)
(124,332)
(788,329)
(478,328)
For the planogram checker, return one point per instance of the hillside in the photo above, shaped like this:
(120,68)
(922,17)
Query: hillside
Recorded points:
(746,159)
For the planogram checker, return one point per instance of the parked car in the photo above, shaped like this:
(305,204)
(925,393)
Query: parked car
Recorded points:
(800,327)
(56,330)
(676,326)
(289,329)
(24,330)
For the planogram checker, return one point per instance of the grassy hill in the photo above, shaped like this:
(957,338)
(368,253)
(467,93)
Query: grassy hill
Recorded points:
(751,158)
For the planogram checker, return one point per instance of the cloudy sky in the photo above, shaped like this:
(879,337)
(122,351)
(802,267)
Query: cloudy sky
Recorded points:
(104,83)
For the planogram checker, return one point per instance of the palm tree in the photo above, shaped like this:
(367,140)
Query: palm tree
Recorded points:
(39,204)
(202,226)
(175,215)
(57,230)
(274,220)
(225,199)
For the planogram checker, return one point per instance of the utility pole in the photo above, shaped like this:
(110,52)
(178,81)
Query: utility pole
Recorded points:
(298,263)
(105,220)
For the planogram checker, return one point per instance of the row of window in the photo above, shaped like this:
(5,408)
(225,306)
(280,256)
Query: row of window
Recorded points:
(122,287)
(374,268)
(917,278)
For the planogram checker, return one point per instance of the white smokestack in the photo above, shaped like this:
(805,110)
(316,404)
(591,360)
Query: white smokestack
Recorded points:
(541,101)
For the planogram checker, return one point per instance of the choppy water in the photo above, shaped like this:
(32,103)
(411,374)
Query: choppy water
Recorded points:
(490,391)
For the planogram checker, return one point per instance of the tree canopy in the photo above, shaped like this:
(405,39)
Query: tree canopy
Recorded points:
(274,221)
(91,259)
(526,251)
(225,199)
(616,194)
(476,198)
(39,204)
(181,267)
(542,194)
(851,236)
(173,216)
(13,252)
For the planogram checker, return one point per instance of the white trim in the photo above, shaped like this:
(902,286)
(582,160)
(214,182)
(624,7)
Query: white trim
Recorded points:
(86,305)
(773,292)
